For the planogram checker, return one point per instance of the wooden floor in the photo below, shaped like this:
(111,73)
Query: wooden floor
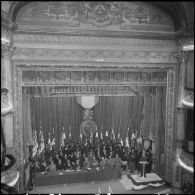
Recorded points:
(97,187)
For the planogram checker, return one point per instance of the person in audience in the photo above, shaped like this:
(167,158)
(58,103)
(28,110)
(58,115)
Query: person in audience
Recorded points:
(69,165)
(90,159)
(103,163)
(94,163)
(104,152)
(59,165)
(124,159)
(117,161)
(118,149)
(43,167)
(56,158)
(110,161)
(86,163)
(73,159)
(52,166)
(78,165)
(66,149)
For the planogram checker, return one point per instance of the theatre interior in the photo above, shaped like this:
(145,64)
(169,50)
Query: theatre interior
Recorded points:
(97,97)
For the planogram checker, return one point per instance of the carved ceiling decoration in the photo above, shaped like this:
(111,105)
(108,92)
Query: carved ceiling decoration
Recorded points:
(107,16)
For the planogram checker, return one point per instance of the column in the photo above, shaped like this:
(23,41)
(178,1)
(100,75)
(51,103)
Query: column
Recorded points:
(7,82)
(180,120)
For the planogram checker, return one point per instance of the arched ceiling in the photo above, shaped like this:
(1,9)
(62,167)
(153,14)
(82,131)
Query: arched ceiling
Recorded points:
(182,13)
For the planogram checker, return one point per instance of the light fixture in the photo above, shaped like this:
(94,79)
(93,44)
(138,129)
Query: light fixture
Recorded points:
(182,164)
(186,103)
(4,40)
(188,47)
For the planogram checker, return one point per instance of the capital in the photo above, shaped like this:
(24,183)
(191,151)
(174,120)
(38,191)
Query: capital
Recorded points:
(7,50)
(183,56)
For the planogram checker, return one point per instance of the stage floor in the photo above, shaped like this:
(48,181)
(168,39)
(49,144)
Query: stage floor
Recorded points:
(151,179)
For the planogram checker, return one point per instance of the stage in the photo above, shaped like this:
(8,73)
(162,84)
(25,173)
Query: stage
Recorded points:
(151,179)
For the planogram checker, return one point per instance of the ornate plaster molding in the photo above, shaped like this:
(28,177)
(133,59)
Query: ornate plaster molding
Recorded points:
(84,40)
(94,55)
(170,123)
(7,50)
(96,15)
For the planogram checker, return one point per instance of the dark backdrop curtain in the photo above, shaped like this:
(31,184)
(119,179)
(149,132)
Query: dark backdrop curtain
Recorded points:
(54,113)
(137,112)
(119,112)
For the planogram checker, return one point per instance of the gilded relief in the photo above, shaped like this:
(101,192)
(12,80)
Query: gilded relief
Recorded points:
(113,16)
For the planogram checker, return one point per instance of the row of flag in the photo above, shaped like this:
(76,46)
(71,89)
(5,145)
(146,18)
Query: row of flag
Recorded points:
(38,147)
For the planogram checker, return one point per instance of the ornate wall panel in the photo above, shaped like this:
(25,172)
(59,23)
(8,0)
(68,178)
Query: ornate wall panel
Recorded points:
(90,77)
(112,16)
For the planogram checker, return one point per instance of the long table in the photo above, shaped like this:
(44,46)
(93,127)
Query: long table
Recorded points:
(77,177)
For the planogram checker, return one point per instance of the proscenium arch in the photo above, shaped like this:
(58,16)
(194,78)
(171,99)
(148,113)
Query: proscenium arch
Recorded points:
(16,8)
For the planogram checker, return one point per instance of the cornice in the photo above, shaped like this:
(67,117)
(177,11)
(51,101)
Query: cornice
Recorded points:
(61,41)
(94,55)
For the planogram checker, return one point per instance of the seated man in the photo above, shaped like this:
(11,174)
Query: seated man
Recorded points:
(69,165)
(94,162)
(52,167)
(78,165)
(86,163)
(103,163)
(124,159)
(59,165)
(117,161)
(43,167)
(110,161)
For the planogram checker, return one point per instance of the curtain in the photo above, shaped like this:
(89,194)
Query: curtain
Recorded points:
(112,112)
(27,128)
(54,114)
(118,112)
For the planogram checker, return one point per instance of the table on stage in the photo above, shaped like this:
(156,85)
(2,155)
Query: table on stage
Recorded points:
(56,178)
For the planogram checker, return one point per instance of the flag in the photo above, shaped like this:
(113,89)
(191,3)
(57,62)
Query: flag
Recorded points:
(91,137)
(53,140)
(96,135)
(85,141)
(106,133)
(49,142)
(119,135)
(62,138)
(127,141)
(121,142)
(40,134)
(42,142)
(69,132)
(133,136)
(101,135)
(35,143)
(81,136)
(113,135)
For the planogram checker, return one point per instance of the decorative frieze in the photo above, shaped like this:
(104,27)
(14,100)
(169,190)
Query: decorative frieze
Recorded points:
(85,40)
(37,78)
(96,15)
(94,55)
